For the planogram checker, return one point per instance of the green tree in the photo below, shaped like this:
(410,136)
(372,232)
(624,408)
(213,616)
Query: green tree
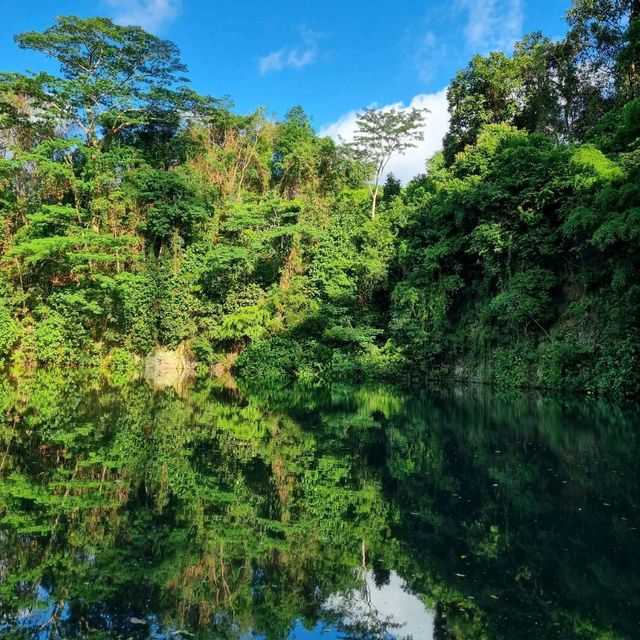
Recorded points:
(485,92)
(382,133)
(113,77)
(392,187)
(603,29)
(293,152)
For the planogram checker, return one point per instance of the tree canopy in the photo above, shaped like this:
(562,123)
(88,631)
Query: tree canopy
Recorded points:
(382,133)
(112,77)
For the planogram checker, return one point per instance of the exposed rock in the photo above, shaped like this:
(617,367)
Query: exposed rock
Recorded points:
(222,369)
(165,368)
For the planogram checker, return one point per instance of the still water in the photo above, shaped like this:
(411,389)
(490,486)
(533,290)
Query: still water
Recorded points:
(351,512)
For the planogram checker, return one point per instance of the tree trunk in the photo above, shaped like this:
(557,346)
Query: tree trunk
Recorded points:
(373,204)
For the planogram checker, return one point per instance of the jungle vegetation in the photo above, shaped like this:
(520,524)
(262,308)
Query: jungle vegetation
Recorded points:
(135,213)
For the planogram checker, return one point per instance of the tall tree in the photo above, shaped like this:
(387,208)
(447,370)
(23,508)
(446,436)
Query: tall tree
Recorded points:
(485,92)
(605,30)
(293,154)
(382,133)
(113,77)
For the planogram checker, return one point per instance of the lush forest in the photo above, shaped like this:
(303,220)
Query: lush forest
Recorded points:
(136,213)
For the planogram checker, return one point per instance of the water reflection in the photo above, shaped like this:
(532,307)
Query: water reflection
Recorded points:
(363,513)
(382,608)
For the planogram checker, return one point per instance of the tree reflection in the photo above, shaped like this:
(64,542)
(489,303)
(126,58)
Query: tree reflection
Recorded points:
(127,512)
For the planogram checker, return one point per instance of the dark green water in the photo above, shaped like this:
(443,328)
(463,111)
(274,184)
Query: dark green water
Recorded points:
(342,513)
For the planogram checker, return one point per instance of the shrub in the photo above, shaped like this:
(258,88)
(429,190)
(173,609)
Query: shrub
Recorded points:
(53,345)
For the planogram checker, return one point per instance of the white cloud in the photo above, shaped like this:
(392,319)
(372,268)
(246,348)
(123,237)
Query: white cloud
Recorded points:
(428,55)
(492,24)
(413,162)
(294,57)
(151,15)
(392,605)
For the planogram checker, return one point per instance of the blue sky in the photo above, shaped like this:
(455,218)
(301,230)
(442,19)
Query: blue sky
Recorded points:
(331,56)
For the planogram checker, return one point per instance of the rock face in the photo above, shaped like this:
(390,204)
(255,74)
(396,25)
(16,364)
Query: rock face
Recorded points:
(165,368)
(222,369)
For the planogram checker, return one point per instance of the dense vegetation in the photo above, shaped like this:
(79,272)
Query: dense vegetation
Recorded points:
(128,513)
(136,213)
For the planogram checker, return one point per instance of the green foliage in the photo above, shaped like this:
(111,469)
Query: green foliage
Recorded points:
(526,298)
(382,133)
(136,214)
(121,366)
(136,299)
(498,256)
(484,93)
(9,330)
(564,364)
(273,361)
(171,204)
(392,187)
(53,340)
(112,77)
